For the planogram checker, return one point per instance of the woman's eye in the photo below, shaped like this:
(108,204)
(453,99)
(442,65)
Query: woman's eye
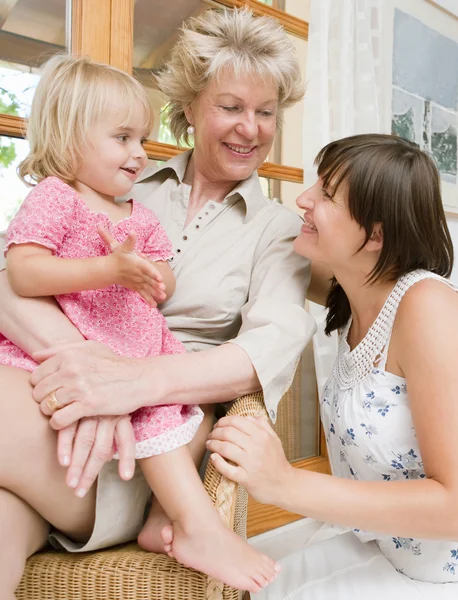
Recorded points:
(326,195)
(230,108)
(266,113)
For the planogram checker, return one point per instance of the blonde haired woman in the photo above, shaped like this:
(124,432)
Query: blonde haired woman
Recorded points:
(238,281)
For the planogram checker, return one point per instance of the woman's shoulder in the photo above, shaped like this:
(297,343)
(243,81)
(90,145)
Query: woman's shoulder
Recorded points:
(281,218)
(426,290)
(428,305)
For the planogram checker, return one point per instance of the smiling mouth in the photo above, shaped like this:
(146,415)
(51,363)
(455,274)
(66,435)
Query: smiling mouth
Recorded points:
(130,170)
(309,224)
(240,149)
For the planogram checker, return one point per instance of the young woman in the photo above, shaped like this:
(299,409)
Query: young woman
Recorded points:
(375,220)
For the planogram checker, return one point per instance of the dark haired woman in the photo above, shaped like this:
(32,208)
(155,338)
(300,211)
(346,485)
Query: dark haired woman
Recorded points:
(389,409)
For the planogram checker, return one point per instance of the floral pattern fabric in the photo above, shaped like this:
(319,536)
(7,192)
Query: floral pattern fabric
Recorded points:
(371,437)
(54,216)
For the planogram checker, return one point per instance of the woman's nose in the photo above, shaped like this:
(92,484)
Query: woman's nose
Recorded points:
(305,200)
(247,126)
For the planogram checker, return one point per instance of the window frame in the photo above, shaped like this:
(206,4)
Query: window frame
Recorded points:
(103,30)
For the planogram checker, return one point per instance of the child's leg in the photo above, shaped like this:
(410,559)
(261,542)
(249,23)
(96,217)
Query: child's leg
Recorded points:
(150,536)
(22,532)
(200,539)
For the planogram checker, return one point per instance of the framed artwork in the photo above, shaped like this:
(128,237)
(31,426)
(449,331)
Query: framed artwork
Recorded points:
(450,6)
(424,83)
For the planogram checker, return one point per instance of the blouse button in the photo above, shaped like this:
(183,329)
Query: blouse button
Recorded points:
(178,250)
(171,258)
(206,213)
(185,237)
(272,414)
(197,226)
(212,206)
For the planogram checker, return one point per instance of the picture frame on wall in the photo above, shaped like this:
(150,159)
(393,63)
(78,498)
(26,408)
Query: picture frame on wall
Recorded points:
(422,43)
(450,6)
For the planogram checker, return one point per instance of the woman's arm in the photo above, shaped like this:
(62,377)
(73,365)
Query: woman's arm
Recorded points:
(275,328)
(424,508)
(94,381)
(33,324)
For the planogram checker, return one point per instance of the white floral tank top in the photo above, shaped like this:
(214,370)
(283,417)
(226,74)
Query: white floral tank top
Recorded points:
(370,434)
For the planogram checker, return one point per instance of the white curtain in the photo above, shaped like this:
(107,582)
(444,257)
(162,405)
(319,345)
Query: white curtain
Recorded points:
(344,96)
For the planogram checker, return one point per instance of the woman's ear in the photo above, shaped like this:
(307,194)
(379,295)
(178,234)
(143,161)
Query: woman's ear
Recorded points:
(188,114)
(375,242)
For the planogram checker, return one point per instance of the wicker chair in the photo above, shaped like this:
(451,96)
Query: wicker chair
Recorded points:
(128,573)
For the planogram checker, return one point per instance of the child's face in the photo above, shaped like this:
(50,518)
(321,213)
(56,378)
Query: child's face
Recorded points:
(115,156)
(329,234)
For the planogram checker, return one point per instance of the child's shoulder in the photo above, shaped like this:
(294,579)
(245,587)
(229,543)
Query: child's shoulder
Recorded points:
(52,190)
(52,183)
(143,214)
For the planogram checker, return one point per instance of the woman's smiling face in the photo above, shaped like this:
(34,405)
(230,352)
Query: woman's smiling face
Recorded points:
(329,234)
(235,121)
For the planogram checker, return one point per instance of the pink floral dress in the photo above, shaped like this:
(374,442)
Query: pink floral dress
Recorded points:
(54,216)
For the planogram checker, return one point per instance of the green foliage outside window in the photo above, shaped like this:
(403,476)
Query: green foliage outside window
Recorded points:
(9,105)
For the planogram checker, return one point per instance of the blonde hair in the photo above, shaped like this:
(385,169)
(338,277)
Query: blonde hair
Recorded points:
(71,95)
(230,38)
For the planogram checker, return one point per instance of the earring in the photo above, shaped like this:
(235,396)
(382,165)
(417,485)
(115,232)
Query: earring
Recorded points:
(191,130)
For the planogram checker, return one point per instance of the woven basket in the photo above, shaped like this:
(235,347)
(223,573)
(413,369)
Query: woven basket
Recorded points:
(128,573)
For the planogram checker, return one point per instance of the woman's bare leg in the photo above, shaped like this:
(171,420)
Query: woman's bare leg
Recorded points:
(150,536)
(200,539)
(29,469)
(22,532)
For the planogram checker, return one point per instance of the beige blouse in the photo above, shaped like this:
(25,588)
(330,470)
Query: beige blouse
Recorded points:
(238,278)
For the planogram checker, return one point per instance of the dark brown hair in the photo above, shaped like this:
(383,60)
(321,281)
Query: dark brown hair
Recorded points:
(390,181)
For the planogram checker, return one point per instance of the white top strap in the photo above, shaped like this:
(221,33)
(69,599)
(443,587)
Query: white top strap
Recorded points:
(372,351)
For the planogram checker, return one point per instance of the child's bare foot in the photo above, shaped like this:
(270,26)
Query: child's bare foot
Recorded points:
(149,537)
(220,553)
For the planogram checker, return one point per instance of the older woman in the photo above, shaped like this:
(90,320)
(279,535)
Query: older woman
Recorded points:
(238,307)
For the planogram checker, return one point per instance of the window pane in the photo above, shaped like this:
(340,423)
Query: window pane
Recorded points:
(287,148)
(156,24)
(12,190)
(31,31)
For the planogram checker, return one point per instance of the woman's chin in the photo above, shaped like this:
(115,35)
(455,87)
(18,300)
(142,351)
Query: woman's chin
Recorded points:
(302,249)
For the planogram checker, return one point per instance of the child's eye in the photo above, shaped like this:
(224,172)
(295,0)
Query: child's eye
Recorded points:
(143,141)
(122,138)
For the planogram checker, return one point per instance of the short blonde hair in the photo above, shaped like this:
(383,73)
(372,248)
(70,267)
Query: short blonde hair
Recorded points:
(234,38)
(71,95)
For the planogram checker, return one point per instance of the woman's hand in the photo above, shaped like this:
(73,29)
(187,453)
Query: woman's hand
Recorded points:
(90,379)
(87,445)
(260,462)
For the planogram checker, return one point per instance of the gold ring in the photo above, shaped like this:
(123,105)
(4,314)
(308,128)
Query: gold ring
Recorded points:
(52,402)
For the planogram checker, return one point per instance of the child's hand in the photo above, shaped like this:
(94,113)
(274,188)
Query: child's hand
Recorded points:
(133,271)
